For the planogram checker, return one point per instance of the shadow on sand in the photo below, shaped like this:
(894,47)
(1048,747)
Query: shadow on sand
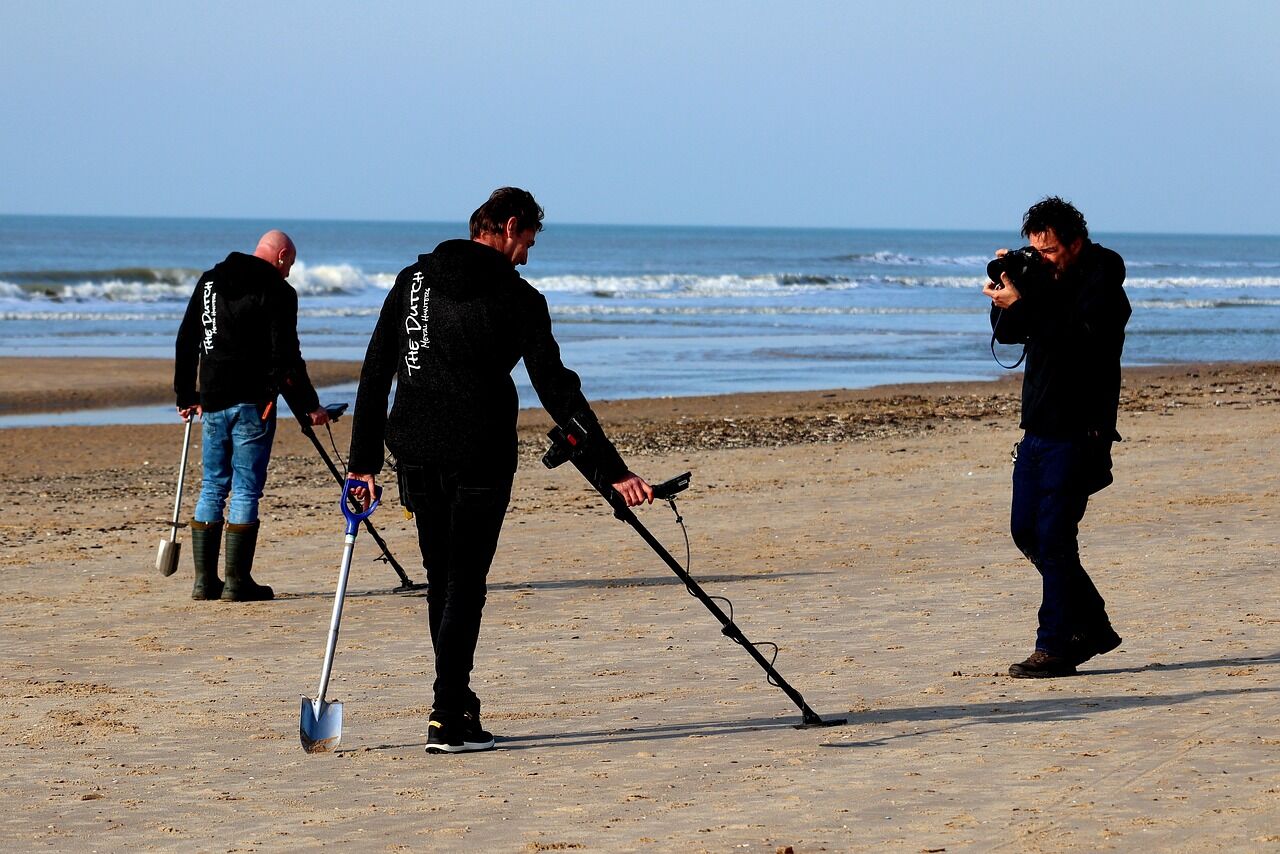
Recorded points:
(951,716)
(572,584)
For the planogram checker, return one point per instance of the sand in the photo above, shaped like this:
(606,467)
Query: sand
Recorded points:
(862,531)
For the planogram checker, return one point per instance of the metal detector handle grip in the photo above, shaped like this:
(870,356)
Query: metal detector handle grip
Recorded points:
(355,517)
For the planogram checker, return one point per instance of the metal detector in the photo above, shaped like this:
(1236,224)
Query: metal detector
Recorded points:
(572,444)
(335,411)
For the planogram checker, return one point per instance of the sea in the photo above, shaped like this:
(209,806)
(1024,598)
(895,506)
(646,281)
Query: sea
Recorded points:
(639,311)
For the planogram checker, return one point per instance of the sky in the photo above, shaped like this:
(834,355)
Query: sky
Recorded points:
(1150,116)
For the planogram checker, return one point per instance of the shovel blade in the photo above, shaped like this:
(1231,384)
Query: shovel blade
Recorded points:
(167,557)
(320,725)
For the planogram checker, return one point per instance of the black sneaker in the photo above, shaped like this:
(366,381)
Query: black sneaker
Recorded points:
(1097,642)
(457,736)
(475,735)
(1042,665)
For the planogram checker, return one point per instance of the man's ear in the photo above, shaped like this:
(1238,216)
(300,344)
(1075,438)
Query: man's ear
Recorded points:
(512,228)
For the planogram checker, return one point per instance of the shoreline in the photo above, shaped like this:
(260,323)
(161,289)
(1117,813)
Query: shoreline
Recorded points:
(37,385)
(43,384)
(685,424)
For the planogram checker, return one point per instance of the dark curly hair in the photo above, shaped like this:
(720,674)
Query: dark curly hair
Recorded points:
(503,204)
(1055,213)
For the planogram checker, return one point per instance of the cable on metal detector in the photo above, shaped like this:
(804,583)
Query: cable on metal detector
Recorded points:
(688,563)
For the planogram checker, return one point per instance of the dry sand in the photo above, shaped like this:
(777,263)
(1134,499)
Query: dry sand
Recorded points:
(864,532)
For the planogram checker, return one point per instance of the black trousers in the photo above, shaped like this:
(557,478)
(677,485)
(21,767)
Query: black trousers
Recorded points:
(459,513)
(1050,494)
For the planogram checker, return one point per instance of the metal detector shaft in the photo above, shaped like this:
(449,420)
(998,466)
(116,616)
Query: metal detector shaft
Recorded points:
(406,583)
(730,629)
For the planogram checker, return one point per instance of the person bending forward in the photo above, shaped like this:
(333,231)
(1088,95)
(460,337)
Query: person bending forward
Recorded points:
(450,332)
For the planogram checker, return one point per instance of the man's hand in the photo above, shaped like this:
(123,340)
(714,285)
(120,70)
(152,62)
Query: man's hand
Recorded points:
(634,490)
(1002,295)
(189,412)
(319,417)
(363,494)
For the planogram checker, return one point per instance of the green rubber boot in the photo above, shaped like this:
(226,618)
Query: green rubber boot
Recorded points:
(206,540)
(242,541)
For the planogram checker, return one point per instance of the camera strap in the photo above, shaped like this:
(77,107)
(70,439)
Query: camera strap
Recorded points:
(993,346)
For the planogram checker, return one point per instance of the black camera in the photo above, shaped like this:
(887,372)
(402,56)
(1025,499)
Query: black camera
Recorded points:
(1026,267)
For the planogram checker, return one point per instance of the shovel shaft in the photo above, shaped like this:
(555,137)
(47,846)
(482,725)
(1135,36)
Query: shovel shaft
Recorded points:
(343,572)
(182,476)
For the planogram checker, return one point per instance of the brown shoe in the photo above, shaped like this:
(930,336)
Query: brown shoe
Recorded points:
(1042,665)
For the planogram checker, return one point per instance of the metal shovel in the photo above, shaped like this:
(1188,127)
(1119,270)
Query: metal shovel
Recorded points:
(167,557)
(320,723)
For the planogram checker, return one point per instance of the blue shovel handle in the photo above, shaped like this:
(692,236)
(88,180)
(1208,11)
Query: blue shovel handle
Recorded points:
(355,517)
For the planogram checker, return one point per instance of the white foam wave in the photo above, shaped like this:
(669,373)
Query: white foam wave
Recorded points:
(965,282)
(688,284)
(54,314)
(318,280)
(1156,282)
(1240,302)
(1205,265)
(577,312)
(118,290)
(886,258)
(327,279)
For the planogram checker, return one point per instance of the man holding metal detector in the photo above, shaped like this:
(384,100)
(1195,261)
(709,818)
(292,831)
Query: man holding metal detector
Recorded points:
(240,333)
(450,332)
(1063,299)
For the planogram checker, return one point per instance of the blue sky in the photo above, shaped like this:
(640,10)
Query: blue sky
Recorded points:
(1151,116)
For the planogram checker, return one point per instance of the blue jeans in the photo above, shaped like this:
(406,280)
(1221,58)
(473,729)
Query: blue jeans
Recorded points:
(1050,493)
(237,448)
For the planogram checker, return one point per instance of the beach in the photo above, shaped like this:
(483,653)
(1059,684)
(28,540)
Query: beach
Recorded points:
(863,531)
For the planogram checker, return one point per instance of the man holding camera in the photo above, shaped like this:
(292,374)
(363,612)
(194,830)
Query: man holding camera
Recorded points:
(450,332)
(1068,307)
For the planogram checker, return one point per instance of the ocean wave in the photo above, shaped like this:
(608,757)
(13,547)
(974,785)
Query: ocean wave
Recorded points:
(56,279)
(578,312)
(1238,302)
(1203,265)
(964,282)
(1158,282)
(56,314)
(886,258)
(689,284)
(163,284)
(329,279)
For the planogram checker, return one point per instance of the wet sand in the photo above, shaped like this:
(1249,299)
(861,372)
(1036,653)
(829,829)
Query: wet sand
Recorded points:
(863,531)
(62,385)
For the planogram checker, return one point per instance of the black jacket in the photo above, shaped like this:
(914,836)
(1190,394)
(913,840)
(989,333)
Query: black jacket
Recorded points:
(241,328)
(451,330)
(1073,329)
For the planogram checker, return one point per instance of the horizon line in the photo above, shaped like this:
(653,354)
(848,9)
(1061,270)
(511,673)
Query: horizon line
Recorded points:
(718,226)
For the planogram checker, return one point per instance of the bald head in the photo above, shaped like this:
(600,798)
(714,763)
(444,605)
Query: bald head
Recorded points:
(277,249)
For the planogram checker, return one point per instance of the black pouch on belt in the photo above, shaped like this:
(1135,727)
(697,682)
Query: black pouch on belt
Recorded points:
(405,478)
